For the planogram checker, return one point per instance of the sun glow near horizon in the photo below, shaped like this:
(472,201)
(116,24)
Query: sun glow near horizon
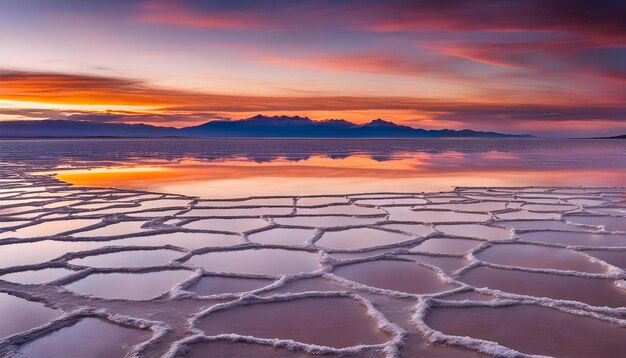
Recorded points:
(522,67)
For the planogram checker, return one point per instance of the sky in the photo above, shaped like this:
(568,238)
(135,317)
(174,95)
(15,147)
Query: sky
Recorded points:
(549,68)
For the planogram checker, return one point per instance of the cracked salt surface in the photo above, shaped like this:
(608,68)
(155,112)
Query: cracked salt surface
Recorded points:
(457,273)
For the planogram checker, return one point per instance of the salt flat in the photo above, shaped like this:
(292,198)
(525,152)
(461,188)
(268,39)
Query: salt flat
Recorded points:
(368,275)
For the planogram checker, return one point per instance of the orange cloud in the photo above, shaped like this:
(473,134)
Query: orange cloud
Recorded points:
(79,89)
(178,107)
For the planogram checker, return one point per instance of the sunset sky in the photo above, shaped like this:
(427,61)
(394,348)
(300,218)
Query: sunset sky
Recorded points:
(549,68)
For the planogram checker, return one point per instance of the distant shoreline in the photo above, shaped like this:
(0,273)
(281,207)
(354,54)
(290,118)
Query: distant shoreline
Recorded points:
(307,138)
(291,138)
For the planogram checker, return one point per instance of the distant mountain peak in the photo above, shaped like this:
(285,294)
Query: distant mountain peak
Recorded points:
(282,120)
(258,126)
(381,123)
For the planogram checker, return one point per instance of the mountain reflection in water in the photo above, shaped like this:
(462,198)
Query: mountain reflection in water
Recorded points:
(248,167)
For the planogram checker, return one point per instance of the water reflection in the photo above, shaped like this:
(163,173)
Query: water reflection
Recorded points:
(227,168)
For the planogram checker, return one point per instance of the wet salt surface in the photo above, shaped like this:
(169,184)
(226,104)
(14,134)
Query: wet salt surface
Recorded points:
(90,337)
(610,223)
(36,276)
(50,228)
(123,228)
(29,253)
(334,322)
(227,225)
(482,232)
(282,236)
(360,238)
(593,291)
(576,238)
(541,257)
(258,261)
(533,330)
(415,229)
(432,216)
(615,258)
(175,262)
(235,349)
(394,275)
(325,221)
(20,315)
(186,240)
(132,258)
(129,286)
(446,246)
(215,285)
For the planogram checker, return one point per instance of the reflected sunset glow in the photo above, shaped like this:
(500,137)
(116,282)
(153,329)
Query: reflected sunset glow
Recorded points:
(241,177)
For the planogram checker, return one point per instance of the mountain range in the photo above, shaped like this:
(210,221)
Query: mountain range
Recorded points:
(259,126)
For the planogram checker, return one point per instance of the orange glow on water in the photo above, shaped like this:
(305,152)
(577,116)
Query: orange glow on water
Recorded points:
(239,177)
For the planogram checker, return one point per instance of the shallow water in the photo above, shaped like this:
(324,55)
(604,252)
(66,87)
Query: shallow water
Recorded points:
(390,201)
(615,258)
(335,322)
(258,261)
(609,223)
(90,337)
(20,315)
(187,240)
(325,221)
(394,275)
(541,257)
(477,231)
(481,207)
(575,238)
(49,228)
(446,246)
(133,258)
(593,291)
(340,210)
(282,236)
(129,286)
(37,252)
(447,264)
(360,238)
(215,285)
(245,167)
(432,216)
(33,277)
(239,349)
(416,229)
(230,212)
(227,225)
(533,330)
(123,228)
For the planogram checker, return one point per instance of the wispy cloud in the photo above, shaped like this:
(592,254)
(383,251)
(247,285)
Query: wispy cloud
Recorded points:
(602,19)
(175,107)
